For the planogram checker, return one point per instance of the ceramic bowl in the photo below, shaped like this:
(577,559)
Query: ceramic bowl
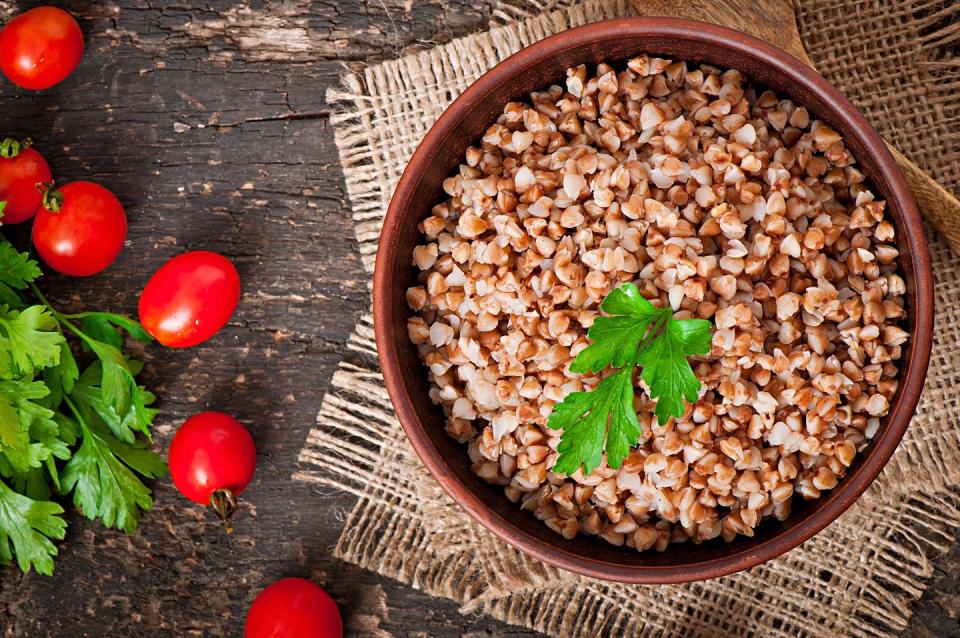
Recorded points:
(463,123)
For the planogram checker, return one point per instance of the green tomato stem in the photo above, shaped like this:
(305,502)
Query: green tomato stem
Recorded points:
(10,148)
(52,198)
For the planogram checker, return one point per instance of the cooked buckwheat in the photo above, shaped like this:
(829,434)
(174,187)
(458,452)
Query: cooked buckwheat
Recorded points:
(714,197)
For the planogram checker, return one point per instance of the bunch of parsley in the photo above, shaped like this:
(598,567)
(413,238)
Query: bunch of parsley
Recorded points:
(636,333)
(64,432)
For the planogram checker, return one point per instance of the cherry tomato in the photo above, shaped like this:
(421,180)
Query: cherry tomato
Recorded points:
(293,608)
(80,229)
(40,48)
(22,171)
(189,298)
(212,458)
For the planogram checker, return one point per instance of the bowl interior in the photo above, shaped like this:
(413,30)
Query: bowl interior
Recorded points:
(462,125)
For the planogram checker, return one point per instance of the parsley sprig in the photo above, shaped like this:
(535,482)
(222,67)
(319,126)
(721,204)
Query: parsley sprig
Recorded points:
(66,432)
(636,333)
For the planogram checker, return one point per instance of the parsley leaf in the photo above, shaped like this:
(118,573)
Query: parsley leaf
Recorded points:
(45,430)
(616,338)
(12,434)
(88,392)
(13,393)
(604,419)
(97,459)
(106,319)
(17,270)
(28,525)
(101,478)
(27,458)
(116,378)
(666,369)
(590,419)
(32,484)
(60,379)
(18,415)
(118,385)
(32,339)
(100,330)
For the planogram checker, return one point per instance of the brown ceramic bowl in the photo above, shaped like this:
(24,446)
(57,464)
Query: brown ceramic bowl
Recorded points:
(463,123)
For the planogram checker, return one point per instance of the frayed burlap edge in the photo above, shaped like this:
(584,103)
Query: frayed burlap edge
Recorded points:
(857,578)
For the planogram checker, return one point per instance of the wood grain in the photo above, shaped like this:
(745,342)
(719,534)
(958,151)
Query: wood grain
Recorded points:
(178,122)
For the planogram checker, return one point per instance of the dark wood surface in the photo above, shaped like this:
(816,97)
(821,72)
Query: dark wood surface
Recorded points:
(207,118)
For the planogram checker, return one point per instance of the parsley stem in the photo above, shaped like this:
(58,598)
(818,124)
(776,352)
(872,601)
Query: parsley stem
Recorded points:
(76,413)
(62,319)
(84,315)
(655,329)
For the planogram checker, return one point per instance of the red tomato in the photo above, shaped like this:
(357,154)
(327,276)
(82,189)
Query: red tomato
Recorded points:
(212,458)
(80,229)
(189,298)
(22,170)
(211,451)
(40,48)
(293,608)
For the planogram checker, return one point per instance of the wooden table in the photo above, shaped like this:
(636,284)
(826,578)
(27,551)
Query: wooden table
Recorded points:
(208,120)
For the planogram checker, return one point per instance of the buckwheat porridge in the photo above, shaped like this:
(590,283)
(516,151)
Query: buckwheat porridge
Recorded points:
(715,198)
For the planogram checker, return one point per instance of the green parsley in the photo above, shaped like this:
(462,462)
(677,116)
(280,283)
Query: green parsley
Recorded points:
(66,433)
(636,333)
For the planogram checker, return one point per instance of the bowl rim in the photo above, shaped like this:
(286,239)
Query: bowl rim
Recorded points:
(850,488)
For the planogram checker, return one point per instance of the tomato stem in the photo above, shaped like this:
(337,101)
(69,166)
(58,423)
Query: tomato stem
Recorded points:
(224,503)
(10,148)
(52,198)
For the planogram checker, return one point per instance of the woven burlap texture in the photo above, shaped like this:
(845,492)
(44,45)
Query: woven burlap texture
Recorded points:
(856,578)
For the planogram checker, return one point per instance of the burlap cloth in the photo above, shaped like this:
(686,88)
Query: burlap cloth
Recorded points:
(856,578)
